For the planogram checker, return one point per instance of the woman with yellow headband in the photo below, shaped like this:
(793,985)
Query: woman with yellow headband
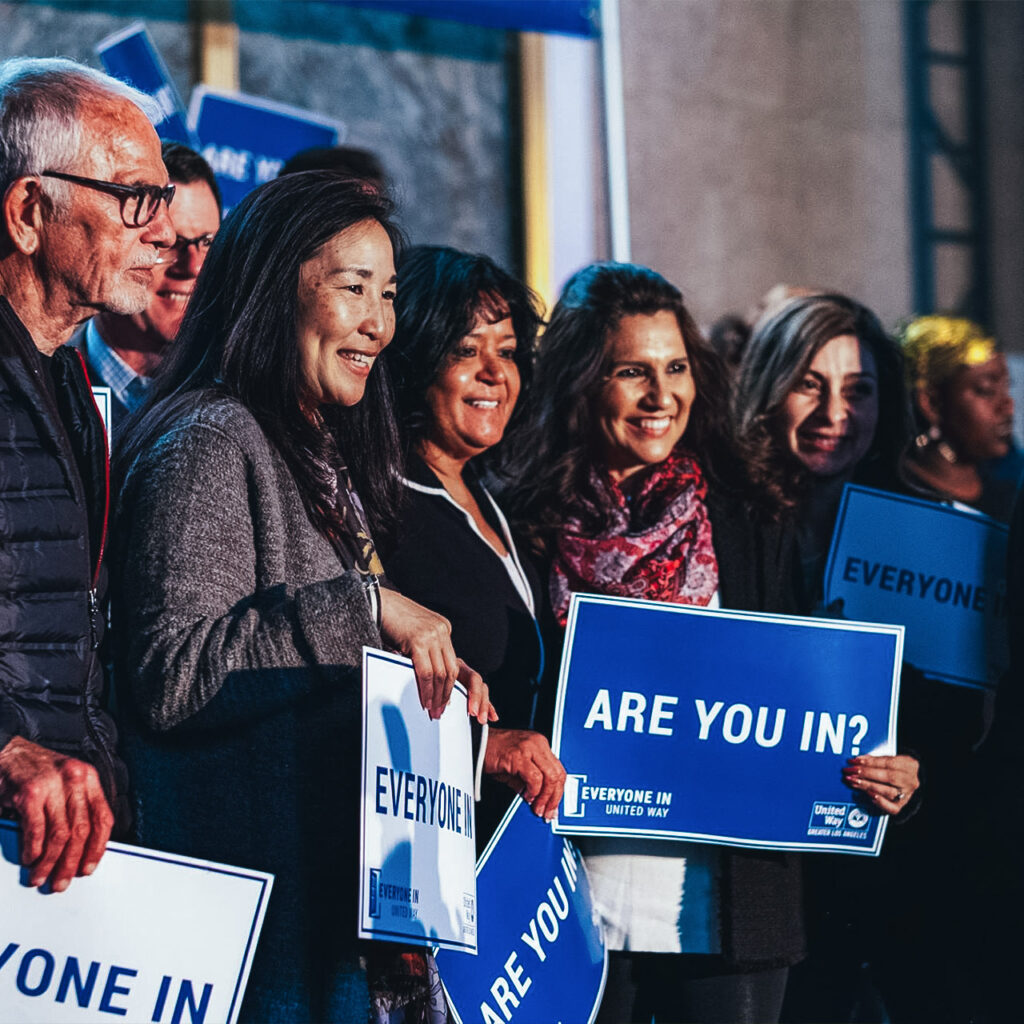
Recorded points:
(961,391)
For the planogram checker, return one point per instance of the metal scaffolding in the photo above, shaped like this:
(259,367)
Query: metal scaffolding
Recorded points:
(948,170)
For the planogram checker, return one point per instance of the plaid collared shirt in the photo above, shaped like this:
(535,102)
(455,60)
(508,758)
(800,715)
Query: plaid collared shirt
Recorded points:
(127,386)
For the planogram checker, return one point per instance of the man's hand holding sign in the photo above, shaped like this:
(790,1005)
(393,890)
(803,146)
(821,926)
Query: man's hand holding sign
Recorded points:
(65,818)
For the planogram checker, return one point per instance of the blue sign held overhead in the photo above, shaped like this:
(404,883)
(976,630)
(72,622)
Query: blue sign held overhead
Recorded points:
(722,727)
(939,571)
(131,56)
(541,956)
(246,140)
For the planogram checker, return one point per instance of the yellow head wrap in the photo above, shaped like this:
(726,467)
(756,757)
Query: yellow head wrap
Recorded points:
(937,346)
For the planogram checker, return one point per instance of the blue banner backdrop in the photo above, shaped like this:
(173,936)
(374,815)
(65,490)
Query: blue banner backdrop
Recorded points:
(540,957)
(567,17)
(722,727)
(938,571)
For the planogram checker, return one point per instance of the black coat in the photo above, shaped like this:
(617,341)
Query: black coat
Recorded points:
(119,412)
(437,559)
(762,908)
(53,512)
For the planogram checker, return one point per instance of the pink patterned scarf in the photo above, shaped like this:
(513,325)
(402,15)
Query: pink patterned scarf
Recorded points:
(658,546)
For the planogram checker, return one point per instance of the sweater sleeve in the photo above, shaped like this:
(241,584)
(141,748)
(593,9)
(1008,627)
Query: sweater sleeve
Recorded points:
(202,645)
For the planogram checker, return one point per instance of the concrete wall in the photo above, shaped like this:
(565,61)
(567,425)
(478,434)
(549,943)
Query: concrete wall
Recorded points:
(432,99)
(1004,42)
(767,139)
(767,143)
(439,116)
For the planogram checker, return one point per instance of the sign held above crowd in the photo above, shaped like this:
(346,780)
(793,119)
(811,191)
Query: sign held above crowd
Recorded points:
(245,139)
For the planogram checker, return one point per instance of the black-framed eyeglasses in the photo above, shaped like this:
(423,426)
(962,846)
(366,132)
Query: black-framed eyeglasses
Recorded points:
(139,203)
(181,245)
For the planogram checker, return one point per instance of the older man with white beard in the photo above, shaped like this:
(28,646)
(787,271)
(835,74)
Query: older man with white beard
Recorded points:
(83,221)
(123,352)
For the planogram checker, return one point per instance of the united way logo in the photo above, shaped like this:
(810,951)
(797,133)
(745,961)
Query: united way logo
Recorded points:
(374,892)
(828,818)
(838,820)
(858,818)
(829,815)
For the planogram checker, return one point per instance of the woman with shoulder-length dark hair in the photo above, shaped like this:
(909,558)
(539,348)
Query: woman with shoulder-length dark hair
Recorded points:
(461,361)
(820,402)
(247,581)
(624,472)
(558,443)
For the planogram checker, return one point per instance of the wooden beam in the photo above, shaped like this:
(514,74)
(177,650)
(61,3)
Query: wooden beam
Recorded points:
(215,43)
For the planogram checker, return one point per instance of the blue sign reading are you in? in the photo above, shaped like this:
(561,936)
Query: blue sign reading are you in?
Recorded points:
(722,727)
(541,955)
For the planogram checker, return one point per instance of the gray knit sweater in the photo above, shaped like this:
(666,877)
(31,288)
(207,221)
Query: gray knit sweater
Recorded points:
(238,650)
(224,575)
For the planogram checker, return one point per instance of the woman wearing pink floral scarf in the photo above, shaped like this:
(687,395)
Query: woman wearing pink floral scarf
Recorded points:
(628,484)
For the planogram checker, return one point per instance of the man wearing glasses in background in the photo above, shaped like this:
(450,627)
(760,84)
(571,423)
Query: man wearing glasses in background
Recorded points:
(121,351)
(83,221)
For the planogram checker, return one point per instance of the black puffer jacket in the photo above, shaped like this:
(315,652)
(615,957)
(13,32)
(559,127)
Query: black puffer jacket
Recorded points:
(53,510)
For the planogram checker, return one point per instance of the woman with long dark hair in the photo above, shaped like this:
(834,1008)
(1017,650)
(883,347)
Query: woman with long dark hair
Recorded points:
(247,580)
(625,475)
(461,361)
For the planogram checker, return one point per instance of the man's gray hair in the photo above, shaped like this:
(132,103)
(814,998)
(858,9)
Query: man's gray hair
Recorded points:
(40,123)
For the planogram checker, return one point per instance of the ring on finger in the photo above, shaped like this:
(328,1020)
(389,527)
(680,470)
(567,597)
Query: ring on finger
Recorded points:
(899,796)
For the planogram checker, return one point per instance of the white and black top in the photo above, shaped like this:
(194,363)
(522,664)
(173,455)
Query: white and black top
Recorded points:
(440,559)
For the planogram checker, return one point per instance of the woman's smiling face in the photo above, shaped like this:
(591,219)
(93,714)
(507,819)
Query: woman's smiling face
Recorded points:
(828,420)
(476,390)
(346,313)
(644,403)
